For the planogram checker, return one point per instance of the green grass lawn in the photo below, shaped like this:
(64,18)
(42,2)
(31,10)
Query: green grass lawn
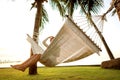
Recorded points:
(62,73)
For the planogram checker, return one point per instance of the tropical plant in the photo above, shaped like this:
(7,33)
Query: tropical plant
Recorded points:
(114,7)
(90,6)
(41,18)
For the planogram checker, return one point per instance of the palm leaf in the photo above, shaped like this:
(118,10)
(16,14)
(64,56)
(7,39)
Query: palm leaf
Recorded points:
(113,12)
(57,4)
(44,17)
(70,6)
(92,6)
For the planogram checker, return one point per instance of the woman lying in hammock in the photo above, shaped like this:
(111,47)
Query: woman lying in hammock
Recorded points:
(33,59)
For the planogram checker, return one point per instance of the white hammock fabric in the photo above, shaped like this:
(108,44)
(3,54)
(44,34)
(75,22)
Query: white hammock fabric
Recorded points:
(70,44)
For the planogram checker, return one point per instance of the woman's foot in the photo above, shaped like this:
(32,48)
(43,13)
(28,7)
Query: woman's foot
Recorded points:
(18,67)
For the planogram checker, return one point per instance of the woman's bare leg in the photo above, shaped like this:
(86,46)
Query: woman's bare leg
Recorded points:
(29,62)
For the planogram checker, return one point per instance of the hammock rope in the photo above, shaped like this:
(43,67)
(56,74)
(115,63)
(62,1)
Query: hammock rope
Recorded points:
(88,29)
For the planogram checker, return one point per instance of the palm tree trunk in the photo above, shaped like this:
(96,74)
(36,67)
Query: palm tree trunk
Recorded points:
(99,33)
(38,18)
(103,40)
(117,6)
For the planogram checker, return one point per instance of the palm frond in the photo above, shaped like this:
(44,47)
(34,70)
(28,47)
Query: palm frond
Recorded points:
(92,6)
(44,17)
(113,12)
(70,6)
(57,4)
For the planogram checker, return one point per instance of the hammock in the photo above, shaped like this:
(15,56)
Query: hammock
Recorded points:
(70,44)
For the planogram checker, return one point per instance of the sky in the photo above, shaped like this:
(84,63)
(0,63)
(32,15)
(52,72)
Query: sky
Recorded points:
(16,20)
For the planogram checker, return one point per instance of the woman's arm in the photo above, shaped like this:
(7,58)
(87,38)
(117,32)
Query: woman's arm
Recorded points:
(45,41)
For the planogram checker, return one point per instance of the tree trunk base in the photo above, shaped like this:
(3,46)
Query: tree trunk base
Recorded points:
(111,64)
(33,70)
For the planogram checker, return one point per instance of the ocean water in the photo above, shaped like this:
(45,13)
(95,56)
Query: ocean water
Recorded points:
(6,61)
(7,65)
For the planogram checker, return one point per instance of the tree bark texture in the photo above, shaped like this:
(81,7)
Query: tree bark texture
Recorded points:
(38,18)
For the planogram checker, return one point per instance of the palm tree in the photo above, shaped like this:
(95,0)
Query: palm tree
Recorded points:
(115,4)
(88,15)
(88,7)
(41,18)
(38,19)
